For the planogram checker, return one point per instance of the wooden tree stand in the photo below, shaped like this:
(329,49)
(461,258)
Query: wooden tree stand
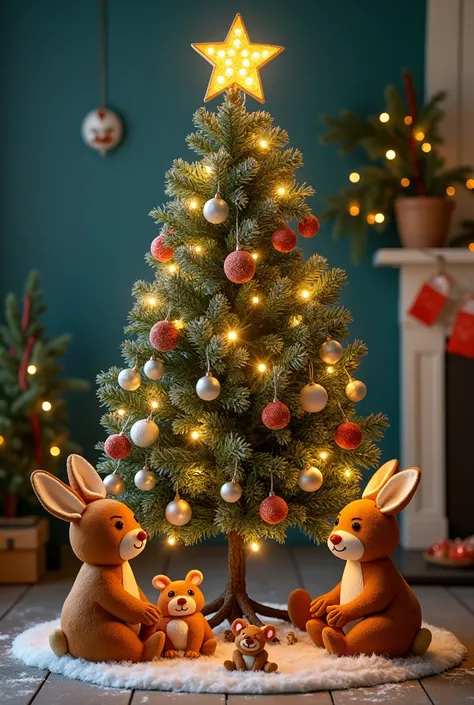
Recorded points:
(235,602)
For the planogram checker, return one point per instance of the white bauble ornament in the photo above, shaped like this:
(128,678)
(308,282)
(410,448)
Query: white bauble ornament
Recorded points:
(216,210)
(178,512)
(208,387)
(310,479)
(356,390)
(144,433)
(102,130)
(145,480)
(129,379)
(313,397)
(331,351)
(231,492)
(114,484)
(154,369)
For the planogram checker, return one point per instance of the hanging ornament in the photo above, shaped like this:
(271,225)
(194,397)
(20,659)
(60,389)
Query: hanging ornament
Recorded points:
(114,484)
(144,433)
(129,379)
(164,336)
(348,436)
(117,446)
(284,239)
(160,250)
(356,390)
(231,491)
(154,369)
(310,479)
(239,266)
(102,128)
(313,396)
(178,512)
(273,509)
(276,415)
(208,387)
(216,210)
(331,351)
(309,227)
(145,479)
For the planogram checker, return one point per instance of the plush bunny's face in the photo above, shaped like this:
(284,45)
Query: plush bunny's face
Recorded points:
(180,598)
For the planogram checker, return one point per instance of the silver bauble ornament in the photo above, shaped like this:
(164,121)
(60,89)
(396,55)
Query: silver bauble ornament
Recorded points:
(129,379)
(145,480)
(331,351)
(313,397)
(310,479)
(208,387)
(154,369)
(356,390)
(231,492)
(114,484)
(216,210)
(144,433)
(178,512)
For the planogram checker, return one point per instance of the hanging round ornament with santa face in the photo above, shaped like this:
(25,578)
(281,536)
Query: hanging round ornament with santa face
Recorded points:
(102,130)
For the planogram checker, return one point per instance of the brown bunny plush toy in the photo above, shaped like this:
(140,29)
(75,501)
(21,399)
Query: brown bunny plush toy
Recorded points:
(372,610)
(185,626)
(250,653)
(106,617)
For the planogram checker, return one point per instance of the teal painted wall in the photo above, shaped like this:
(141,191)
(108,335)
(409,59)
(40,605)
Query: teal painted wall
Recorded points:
(82,220)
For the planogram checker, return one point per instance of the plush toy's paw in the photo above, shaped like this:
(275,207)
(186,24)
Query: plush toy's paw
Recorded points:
(209,647)
(298,607)
(319,606)
(270,667)
(171,654)
(422,642)
(58,642)
(229,665)
(337,616)
(334,641)
(192,654)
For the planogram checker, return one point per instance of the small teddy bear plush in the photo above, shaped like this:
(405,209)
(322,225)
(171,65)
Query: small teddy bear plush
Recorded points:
(250,653)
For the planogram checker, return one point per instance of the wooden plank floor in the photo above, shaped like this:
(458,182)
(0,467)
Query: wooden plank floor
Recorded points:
(272,574)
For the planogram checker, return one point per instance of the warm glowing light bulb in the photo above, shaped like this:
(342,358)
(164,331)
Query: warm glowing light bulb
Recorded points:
(255,255)
(405,182)
(255,299)
(208,169)
(379,217)
(249,80)
(295,321)
(54,450)
(210,51)
(193,205)
(121,412)
(304,294)
(384,117)
(471,247)
(354,210)
(220,79)
(228,72)
(265,53)
(354,177)
(470,183)
(330,369)
(2,440)
(371,218)
(390,154)
(151,301)
(323,455)
(347,473)
(198,249)
(450,191)
(254,547)
(281,190)
(178,323)
(154,405)
(245,62)
(237,31)
(221,53)
(171,541)
(31,369)
(172,268)
(426,147)
(232,335)
(242,72)
(263,144)
(237,43)
(195,435)
(46,406)
(420,135)
(262,367)
(255,55)
(408,119)
(244,53)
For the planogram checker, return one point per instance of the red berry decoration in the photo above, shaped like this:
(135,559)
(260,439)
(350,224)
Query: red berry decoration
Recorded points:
(348,436)
(117,446)
(276,415)
(309,226)
(273,509)
(164,336)
(284,239)
(161,251)
(239,267)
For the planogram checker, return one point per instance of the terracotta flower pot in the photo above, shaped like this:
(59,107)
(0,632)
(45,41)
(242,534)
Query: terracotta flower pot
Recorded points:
(423,221)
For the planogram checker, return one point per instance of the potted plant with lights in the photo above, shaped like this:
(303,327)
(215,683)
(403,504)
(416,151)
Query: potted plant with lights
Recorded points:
(33,433)
(408,175)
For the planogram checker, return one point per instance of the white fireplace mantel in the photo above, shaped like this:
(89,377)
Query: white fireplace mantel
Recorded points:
(422,402)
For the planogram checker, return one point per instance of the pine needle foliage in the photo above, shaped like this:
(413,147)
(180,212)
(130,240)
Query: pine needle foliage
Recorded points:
(283,331)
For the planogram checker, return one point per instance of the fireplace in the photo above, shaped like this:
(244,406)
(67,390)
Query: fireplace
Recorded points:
(432,421)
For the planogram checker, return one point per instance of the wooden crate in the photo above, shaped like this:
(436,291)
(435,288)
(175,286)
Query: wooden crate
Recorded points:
(23,549)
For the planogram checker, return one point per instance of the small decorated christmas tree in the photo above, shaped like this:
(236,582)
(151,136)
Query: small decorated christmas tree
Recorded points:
(33,431)
(235,413)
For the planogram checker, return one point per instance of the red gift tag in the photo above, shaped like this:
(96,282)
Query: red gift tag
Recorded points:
(461,341)
(431,298)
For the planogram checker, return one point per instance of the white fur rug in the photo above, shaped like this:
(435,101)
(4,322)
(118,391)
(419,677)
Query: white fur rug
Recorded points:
(302,666)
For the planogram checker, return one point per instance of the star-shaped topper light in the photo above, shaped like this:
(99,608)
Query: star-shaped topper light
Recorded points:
(236,62)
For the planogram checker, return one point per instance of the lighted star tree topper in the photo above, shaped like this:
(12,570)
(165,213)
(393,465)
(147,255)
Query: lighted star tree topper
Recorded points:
(236,62)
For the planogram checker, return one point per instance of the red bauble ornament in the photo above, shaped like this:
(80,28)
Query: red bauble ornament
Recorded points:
(309,226)
(276,415)
(273,509)
(117,446)
(160,250)
(164,336)
(284,239)
(348,436)
(239,267)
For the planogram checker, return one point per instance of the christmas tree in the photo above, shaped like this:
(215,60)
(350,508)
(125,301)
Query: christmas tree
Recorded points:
(232,415)
(33,431)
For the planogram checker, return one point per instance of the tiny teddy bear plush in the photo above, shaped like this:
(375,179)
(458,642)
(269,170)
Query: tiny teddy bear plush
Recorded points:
(186,628)
(250,653)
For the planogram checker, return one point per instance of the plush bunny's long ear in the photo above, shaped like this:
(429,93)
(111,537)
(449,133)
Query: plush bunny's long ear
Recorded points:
(194,576)
(59,499)
(84,479)
(379,479)
(398,491)
(160,582)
